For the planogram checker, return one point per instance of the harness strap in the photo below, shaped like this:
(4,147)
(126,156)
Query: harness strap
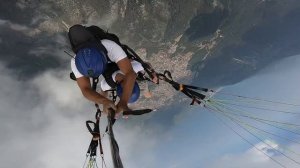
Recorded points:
(185,89)
(94,84)
(130,52)
(92,150)
(117,162)
(111,68)
(132,112)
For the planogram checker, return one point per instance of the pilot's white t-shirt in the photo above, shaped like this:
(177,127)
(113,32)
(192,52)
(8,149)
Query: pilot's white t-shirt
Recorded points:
(114,52)
(137,67)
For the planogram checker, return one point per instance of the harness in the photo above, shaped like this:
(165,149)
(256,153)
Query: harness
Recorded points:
(84,37)
(95,131)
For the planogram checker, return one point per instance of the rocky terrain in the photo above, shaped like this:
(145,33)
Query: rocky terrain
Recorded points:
(205,42)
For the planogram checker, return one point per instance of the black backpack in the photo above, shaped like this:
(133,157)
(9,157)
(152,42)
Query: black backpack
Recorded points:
(81,37)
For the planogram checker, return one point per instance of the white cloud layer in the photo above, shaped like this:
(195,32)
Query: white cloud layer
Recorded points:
(43,123)
(254,158)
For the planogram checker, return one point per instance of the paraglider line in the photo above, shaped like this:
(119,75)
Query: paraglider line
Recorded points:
(210,109)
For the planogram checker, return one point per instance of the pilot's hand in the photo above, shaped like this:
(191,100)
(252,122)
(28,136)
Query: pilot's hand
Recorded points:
(121,107)
(108,104)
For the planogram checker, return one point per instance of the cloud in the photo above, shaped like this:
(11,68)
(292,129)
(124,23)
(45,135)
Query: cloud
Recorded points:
(254,158)
(26,30)
(34,122)
(277,83)
(43,123)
